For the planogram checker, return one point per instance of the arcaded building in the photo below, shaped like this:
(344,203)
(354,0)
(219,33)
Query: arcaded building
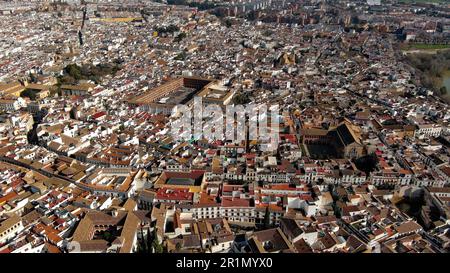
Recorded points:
(165,97)
(342,141)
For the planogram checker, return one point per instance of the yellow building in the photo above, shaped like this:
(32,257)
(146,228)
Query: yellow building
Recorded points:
(11,89)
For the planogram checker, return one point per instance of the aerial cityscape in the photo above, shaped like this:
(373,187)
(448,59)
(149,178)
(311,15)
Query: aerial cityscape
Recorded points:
(224,126)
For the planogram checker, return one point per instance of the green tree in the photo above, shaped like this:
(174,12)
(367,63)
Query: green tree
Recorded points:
(251,16)
(28,94)
(149,240)
(241,98)
(32,77)
(143,242)
(181,56)
(157,247)
(74,71)
(267,218)
(180,37)
(367,163)
(267,33)
(178,246)
(228,23)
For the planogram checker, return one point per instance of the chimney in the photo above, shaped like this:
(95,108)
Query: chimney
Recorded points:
(115,213)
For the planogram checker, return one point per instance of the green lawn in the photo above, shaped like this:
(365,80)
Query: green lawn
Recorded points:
(424,47)
(427,46)
(423,1)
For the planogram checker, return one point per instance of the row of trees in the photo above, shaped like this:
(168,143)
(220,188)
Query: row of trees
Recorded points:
(149,243)
(206,5)
(29,94)
(241,98)
(432,68)
(72,73)
(169,29)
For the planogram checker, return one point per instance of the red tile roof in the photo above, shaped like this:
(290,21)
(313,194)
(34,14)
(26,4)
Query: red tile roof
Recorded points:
(174,194)
(98,115)
(235,202)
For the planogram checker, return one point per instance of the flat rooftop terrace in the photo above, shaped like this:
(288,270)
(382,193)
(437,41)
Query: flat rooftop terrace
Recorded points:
(173,92)
(181,96)
(181,181)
